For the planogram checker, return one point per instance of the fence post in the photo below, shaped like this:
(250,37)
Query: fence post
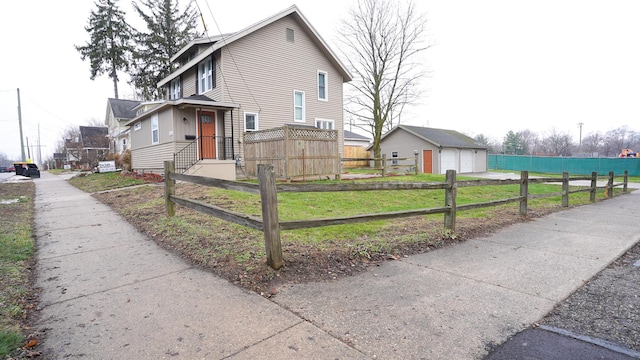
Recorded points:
(450,201)
(626,182)
(169,186)
(565,189)
(270,222)
(610,185)
(594,183)
(384,165)
(524,192)
(416,162)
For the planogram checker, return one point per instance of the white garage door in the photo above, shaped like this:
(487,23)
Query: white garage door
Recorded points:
(448,160)
(466,161)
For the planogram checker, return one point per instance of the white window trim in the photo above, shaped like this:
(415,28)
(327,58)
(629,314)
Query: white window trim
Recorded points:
(175,89)
(326,85)
(245,121)
(209,77)
(303,106)
(155,128)
(137,126)
(333,123)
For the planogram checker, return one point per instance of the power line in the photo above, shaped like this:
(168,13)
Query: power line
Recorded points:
(224,40)
(42,108)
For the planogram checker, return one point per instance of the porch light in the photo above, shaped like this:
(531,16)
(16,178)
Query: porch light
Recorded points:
(184,119)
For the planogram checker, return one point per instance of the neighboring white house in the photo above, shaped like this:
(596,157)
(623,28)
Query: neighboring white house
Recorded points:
(353,139)
(438,150)
(119,112)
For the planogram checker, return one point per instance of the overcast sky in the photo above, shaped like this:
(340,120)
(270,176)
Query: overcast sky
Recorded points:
(496,65)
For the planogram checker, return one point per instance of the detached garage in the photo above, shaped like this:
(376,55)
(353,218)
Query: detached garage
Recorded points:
(439,150)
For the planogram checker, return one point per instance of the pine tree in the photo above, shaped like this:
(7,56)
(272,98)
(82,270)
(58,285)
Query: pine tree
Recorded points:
(109,49)
(168,30)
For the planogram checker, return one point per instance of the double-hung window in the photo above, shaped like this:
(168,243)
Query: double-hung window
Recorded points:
(175,89)
(324,124)
(205,76)
(155,133)
(298,106)
(250,121)
(322,85)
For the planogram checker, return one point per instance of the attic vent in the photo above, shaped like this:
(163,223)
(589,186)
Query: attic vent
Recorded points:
(290,35)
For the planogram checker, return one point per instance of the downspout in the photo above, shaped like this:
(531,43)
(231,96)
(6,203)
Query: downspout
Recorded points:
(233,153)
(198,135)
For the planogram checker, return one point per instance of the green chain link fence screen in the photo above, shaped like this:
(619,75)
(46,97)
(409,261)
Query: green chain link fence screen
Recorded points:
(548,164)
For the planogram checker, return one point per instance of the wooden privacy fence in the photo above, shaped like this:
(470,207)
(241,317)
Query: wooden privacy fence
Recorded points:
(355,152)
(271,226)
(293,150)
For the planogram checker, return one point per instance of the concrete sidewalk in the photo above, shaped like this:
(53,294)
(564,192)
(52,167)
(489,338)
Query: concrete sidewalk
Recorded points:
(109,292)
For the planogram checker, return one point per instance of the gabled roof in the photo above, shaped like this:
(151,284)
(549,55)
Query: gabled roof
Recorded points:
(94,137)
(201,41)
(293,10)
(353,136)
(123,109)
(440,137)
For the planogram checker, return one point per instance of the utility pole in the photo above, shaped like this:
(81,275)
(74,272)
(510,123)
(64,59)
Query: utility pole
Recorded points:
(20,122)
(580,143)
(39,148)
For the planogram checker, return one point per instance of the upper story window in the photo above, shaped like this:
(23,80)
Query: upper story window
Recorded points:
(324,124)
(298,105)
(290,35)
(205,76)
(175,90)
(137,126)
(250,121)
(322,85)
(155,133)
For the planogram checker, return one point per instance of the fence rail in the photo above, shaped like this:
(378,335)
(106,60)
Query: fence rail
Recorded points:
(387,164)
(268,189)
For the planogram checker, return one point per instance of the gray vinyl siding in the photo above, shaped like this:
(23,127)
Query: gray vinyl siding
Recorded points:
(151,158)
(188,83)
(480,161)
(142,138)
(271,69)
(405,144)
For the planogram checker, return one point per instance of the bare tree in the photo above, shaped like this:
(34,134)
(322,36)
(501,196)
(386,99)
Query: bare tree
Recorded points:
(530,141)
(557,143)
(618,139)
(381,40)
(593,143)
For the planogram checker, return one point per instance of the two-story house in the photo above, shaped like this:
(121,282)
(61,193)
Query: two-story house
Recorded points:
(275,72)
(119,112)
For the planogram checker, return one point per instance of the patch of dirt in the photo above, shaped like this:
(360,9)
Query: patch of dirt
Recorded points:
(303,263)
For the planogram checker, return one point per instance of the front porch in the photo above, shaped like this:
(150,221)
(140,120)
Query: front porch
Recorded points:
(210,156)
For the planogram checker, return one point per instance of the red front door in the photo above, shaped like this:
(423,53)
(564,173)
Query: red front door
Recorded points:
(207,137)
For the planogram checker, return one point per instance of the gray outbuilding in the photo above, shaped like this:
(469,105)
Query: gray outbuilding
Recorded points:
(438,150)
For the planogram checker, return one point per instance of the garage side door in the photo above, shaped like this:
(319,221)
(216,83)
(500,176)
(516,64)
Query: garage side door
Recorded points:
(427,161)
(466,161)
(448,161)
